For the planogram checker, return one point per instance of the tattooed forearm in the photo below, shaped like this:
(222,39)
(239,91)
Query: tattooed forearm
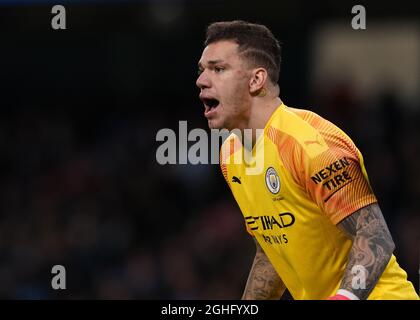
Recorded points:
(372,247)
(263,281)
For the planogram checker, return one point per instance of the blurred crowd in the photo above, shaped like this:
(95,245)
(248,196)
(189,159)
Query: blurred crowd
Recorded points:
(121,225)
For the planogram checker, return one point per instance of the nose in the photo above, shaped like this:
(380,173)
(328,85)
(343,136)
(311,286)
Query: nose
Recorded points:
(203,81)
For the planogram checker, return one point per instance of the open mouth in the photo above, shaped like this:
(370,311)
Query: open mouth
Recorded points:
(210,103)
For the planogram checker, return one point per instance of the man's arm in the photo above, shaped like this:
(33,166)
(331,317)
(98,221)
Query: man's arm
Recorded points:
(263,281)
(372,247)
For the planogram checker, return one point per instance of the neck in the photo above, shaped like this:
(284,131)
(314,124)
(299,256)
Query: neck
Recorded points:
(260,113)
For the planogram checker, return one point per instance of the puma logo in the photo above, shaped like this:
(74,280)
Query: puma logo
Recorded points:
(236,179)
(308,142)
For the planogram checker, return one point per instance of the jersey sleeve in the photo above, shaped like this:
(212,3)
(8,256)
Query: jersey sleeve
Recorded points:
(335,177)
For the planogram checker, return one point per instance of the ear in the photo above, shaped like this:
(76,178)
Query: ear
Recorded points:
(258,80)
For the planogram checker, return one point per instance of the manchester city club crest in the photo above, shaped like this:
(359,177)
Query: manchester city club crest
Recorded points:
(272,180)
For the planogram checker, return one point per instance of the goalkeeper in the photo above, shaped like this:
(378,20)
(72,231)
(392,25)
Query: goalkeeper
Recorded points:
(316,222)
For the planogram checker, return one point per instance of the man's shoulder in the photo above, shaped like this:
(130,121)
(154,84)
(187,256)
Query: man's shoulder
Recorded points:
(299,128)
(297,121)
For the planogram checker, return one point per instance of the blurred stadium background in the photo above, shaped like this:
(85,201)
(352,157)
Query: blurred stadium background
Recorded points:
(80,109)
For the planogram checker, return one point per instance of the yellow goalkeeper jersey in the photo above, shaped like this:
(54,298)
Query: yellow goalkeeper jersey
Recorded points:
(312,177)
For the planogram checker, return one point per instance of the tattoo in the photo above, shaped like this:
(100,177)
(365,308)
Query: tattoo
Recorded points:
(372,248)
(263,282)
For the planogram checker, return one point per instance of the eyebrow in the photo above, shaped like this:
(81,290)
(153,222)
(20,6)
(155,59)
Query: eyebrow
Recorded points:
(210,62)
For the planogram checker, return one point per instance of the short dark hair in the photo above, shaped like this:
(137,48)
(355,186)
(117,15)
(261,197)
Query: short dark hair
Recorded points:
(256,43)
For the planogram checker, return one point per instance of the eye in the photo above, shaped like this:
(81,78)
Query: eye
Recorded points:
(218,69)
(199,71)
